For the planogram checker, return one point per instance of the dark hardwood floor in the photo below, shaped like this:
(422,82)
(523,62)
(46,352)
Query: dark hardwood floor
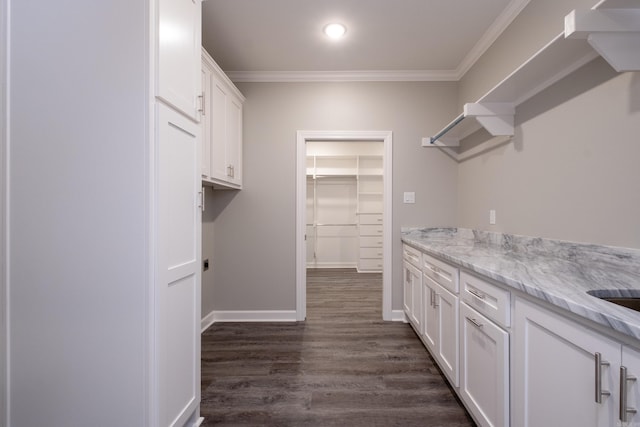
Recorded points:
(344,366)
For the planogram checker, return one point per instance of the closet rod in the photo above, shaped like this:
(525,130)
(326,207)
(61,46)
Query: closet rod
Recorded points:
(335,225)
(450,126)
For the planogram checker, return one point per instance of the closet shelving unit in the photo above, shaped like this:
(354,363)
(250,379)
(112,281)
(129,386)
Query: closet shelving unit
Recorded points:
(370,207)
(611,29)
(367,171)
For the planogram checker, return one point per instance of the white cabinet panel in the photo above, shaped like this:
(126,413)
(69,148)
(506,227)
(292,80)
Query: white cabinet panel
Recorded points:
(490,300)
(413,295)
(440,326)
(430,314)
(484,368)
(448,333)
(178,269)
(443,273)
(222,123)
(554,365)
(179,77)
(631,402)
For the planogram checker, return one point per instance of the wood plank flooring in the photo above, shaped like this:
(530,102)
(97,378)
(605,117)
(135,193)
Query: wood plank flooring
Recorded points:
(344,366)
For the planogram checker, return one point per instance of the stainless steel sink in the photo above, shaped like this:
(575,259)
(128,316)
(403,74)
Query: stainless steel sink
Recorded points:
(629,298)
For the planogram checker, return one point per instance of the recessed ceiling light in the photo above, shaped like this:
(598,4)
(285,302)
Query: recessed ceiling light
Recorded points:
(335,31)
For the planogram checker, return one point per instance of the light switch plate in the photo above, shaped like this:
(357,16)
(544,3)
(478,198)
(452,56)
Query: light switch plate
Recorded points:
(409,197)
(492,217)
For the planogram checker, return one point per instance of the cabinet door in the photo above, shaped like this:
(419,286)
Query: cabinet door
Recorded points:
(429,313)
(448,343)
(484,368)
(205,121)
(631,363)
(554,371)
(179,53)
(408,291)
(413,276)
(218,130)
(234,140)
(177,291)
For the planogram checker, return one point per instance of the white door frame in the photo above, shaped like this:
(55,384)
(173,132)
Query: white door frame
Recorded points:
(301,211)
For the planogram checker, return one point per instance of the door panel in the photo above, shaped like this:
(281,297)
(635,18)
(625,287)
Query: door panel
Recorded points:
(178,275)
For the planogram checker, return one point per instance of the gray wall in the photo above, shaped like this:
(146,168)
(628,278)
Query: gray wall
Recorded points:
(538,23)
(78,210)
(254,253)
(571,170)
(567,174)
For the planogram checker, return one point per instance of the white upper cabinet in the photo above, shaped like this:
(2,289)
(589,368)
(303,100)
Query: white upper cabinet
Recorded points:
(221,128)
(178,54)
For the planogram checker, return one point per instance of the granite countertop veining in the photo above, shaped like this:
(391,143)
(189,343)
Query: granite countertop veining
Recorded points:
(555,271)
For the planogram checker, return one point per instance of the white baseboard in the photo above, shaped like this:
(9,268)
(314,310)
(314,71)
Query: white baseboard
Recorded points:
(207,321)
(398,316)
(332,265)
(255,316)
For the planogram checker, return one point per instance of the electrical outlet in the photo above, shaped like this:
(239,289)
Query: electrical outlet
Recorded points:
(492,217)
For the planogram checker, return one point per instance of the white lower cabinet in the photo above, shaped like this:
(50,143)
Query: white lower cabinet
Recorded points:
(557,377)
(440,326)
(413,295)
(630,387)
(519,364)
(484,368)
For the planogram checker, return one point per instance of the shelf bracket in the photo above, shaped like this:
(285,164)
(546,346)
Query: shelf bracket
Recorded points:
(495,117)
(613,33)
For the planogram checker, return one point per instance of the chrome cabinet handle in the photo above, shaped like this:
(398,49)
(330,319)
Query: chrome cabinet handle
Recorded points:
(599,363)
(435,300)
(624,409)
(475,293)
(474,322)
(202,104)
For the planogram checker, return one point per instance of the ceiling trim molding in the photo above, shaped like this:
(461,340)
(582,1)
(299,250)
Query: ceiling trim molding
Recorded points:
(342,76)
(501,23)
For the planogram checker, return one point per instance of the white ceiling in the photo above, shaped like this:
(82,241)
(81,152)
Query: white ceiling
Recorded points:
(282,40)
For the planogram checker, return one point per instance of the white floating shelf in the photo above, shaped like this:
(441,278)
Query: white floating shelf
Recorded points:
(611,28)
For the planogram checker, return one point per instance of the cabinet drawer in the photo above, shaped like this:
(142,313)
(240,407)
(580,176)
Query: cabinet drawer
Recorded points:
(370,242)
(370,264)
(370,252)
(490,300)
(370,230)
(371,219)
(411,255)
(443,273)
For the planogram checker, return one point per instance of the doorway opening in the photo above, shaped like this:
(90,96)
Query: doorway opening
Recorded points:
(343,212)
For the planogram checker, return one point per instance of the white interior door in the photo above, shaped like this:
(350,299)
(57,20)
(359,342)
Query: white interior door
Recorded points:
(178,278)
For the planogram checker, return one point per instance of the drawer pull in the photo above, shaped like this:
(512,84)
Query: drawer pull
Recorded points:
(475,322)
(599,363)
(624,409)
(476,294)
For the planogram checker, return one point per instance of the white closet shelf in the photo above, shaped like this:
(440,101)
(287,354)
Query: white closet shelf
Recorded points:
(611,29)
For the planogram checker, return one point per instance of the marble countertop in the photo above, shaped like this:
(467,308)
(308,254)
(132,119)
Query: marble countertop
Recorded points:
(555,271)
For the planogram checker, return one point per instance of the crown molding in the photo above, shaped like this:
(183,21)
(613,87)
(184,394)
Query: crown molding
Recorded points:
(342,76)
(501,23)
